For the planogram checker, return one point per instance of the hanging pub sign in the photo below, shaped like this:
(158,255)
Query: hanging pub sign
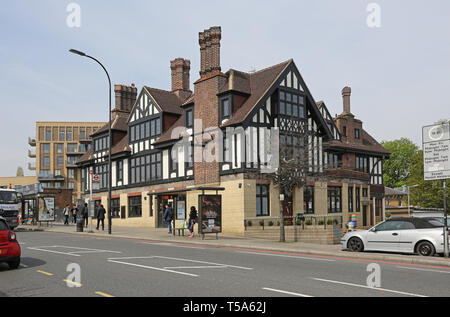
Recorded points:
(210,212)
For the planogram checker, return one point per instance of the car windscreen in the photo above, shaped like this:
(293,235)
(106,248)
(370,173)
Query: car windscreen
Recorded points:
(3,225)
(7,197)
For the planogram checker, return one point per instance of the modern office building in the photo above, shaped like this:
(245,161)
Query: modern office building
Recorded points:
(167,148)
(57,148)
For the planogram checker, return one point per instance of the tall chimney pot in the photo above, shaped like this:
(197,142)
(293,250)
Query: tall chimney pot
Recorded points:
(346,93)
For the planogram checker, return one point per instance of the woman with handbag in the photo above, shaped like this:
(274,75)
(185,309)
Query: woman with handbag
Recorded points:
(192,220)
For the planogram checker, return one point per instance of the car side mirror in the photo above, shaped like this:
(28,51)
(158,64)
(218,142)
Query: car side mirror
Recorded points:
(373,230)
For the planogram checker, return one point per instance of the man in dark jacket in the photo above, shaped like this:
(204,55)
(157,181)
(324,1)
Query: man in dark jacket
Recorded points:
(101,217)
(168,216)
(86,214)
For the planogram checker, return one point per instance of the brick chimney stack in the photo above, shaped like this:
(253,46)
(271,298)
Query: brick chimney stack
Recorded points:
(346,93)
(180,68)
(125,97)
(209,41)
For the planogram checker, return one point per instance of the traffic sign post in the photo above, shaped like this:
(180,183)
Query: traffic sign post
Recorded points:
(436,163)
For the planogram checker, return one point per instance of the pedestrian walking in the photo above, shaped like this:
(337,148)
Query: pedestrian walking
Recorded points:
(85,213)
(74,211)
(192,220)
(168,217)
(66,213)
(101,217)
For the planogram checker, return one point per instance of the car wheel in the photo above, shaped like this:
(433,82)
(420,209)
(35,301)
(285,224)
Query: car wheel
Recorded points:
(14,264)
(425,248)
(355,244)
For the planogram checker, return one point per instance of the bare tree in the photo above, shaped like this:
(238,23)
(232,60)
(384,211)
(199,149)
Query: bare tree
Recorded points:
(296,165)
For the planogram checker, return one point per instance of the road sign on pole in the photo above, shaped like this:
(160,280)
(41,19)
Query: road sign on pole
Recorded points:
(436,152)
(436,162)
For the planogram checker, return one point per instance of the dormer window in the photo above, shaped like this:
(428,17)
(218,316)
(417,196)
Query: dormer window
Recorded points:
(357,134)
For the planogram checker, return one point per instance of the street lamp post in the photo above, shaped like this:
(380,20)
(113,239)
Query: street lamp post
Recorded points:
(109,135)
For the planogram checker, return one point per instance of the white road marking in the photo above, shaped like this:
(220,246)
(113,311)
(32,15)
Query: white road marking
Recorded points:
(73,253)
(286,292)
(50,251)
(195,261)
(196,267)
(425,270)
(287,256)
(368,287)
(153,268)
(173,245)
(86,249)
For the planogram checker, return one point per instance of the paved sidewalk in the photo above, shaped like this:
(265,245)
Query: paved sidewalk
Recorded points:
(238,242)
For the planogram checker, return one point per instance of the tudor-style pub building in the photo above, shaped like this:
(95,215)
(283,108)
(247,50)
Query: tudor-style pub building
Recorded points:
(158,136)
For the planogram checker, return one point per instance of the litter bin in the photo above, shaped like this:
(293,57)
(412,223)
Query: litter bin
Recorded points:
(80,224)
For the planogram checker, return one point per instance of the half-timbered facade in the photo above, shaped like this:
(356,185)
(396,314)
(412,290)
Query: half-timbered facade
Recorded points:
(225,138)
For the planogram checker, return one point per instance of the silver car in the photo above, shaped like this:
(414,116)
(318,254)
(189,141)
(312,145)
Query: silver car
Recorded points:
(400,235)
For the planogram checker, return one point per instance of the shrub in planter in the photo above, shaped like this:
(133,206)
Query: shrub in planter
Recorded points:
(261,223)
(298,222)
(321,222)
(278,223)
(308,222)
(270,223)
(249,223)
(330,222)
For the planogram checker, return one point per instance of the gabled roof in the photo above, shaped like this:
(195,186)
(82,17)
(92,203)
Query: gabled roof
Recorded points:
(121,146)
(88,156)
(369,145)
(168,101)
(258,84)
(119,123)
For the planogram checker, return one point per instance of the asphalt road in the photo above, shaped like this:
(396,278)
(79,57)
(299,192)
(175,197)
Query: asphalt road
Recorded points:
(68,265)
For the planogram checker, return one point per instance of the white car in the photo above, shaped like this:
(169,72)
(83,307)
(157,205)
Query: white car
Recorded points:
(401,235)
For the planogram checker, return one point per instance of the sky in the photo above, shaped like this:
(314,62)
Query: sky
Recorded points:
(394,56)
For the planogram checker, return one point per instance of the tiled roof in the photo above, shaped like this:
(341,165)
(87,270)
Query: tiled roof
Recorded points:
(168,101)
(119,123)
(86,157)
(167,136)
(369,144)
(257,83)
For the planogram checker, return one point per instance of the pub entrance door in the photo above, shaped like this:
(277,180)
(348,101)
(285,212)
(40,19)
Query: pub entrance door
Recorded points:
(161,203)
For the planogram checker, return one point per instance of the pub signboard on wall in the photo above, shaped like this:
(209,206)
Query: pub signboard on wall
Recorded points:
(210,211)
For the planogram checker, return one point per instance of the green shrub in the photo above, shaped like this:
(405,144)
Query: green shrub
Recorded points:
(261,223)
(249,223)
(321,222)
(278,223)
(298,222)
(330,221)
(308,222)
(270,223)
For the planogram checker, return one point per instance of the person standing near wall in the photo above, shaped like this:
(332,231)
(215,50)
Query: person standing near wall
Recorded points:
(192,220)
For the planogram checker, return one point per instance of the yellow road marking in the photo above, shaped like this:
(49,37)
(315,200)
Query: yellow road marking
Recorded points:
(103,294)
(73,283)
(45,273)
